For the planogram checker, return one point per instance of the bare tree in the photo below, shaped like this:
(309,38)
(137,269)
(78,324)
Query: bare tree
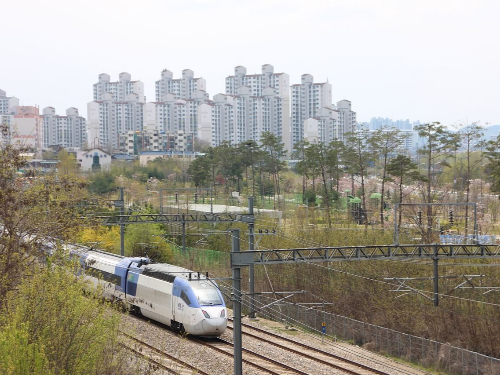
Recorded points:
(33,209)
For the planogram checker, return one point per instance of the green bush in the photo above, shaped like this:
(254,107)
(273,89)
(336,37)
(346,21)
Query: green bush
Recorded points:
(58,329)
(18,355)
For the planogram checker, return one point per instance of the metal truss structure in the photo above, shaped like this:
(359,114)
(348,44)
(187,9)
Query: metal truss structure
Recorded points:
(171,218)
(374,252)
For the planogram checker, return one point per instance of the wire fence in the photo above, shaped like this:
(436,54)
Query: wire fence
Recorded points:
(418,350)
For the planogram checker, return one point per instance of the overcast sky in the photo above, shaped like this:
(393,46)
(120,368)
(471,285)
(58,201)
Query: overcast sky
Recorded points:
(427,60)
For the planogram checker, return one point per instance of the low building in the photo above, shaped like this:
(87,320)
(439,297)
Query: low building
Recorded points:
(133,143)
(94,159)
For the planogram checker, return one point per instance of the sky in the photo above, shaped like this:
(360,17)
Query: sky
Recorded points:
(427,60)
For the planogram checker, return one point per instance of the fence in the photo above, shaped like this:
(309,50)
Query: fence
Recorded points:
(200,258)
(425,352)
(419,350)
(454,239)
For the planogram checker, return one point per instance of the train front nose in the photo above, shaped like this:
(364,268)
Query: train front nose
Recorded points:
(215,322)
(214,326)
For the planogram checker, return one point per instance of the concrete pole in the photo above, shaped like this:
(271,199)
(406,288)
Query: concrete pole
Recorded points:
(184,233)
(251,246)
(237,342)
(436,276)
(396,234)
(122,226)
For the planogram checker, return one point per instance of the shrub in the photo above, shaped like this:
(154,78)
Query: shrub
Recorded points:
(58,328)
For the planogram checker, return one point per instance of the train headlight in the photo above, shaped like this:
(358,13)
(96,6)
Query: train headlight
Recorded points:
(206,314)
(223,313)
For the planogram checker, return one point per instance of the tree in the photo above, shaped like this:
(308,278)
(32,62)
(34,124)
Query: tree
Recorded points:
(32,210)
(439,143)
(336,168)
(493,166)
(385,141)
(358,156)
(249,150)
(146,240)
(199,171)
(471,136)
(200,145)
(299,154)
(326,159)
(67,163)
(103,182)
(102,237)
(60,330)
(406,172)
(274,164)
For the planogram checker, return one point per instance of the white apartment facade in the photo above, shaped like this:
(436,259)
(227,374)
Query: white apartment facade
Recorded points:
(119,89)
(347,118)
(173,115)
(324,127)
(8,104)
(183,88)
(68,131)
(242,117)
(107,119)
(270,107)
(308,98)
(7,110)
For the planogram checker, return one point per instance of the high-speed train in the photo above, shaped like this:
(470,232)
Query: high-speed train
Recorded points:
(185,300)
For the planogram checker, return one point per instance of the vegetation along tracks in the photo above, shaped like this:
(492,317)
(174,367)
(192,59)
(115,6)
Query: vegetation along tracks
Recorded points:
(311,353)
(160,358)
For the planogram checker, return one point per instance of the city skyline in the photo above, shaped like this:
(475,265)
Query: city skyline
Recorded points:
(432,61)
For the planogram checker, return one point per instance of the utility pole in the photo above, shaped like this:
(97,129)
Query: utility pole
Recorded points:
(235,248)
(122,226)
(436,275)
(183,233)
(251,246)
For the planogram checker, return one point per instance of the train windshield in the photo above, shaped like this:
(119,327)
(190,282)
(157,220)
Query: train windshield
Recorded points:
(207,294)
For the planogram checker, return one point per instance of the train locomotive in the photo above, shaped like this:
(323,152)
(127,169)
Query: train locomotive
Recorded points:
(185,300)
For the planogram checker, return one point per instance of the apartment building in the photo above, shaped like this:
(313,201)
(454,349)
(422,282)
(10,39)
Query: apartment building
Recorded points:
(241,117)
(308,98)
(107,119)
(173,115)
(68,131)
(270,95)
(27,127)
(182,88)
(323,128)
(7,109)
(134,143)
(346,119)
(119,89)
(8,104)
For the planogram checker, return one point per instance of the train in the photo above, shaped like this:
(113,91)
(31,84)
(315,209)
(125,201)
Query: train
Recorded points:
(187,301)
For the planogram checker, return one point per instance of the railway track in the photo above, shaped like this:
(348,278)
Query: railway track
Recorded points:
(254,359)
(159,358)
(305,351)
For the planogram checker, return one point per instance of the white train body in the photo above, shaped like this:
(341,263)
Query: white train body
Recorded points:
(182,299)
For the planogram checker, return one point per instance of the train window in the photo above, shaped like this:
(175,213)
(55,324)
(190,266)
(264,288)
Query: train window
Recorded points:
(185,298)
(207,295)
(103,275)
